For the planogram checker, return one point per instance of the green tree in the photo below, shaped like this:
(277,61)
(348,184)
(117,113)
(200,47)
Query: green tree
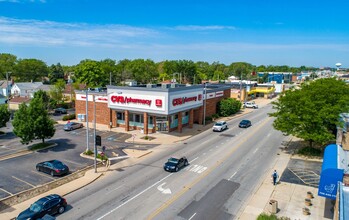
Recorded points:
(45,98)
(312,112)
(91,73)
(241,69)
(30,70)
(4,115)
(228,107)
(57,90)
(7,64)
(33,122)
(55,72)
(43,125)
(23,124)
(122,73)
(143,71)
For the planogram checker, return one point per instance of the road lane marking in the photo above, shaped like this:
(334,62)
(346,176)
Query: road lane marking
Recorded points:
(192,184)
(192,216)
(232,176)
(6,191)
(121,205)
(114,189)
(164,191)
(193,159)
(23,181)
(255,150)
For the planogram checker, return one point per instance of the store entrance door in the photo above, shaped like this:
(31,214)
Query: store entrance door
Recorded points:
(161,126)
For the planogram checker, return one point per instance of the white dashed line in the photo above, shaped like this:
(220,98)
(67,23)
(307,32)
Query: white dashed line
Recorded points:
(192,216)
(232,176)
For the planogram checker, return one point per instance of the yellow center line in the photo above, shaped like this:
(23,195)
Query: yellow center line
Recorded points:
(208,171)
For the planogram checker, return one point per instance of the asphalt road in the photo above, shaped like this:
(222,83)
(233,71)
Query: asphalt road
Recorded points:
(224,170)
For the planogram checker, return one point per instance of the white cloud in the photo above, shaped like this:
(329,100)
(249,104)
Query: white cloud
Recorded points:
(202,28)
(54,33)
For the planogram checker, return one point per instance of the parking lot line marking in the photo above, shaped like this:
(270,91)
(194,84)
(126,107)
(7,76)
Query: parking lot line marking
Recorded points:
(6,191)
(24,181)
(255,150)
(42,174)
(70,161)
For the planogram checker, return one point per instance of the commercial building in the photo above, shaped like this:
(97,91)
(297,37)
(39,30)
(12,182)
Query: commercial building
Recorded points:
(151,108)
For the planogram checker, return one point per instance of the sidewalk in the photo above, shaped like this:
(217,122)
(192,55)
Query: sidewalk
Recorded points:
(290,198)
(134,154)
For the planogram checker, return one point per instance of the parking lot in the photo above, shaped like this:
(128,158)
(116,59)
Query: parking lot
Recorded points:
(19,173)
(303,172)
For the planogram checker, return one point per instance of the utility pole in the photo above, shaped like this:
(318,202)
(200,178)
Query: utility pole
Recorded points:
(240,87)
(7,92)
(205,104)
(94,133)
(87,134)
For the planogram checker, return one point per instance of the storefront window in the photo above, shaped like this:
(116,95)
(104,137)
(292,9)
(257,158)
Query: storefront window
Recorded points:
(150,120)
(120,116)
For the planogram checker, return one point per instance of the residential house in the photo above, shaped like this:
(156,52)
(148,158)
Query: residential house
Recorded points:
(69,93)
(25,89)
(16,101)
(3,86)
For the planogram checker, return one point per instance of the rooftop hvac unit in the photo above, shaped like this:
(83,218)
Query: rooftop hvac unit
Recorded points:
(173,85)
(165,86)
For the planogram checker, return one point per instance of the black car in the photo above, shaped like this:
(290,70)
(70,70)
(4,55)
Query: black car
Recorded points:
(245,124)
(51,205)
(60,111)
(53,167)
(174,164)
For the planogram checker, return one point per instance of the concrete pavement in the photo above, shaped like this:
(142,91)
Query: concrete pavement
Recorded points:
(290,197)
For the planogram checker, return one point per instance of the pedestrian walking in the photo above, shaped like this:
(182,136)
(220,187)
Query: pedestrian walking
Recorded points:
(275,177)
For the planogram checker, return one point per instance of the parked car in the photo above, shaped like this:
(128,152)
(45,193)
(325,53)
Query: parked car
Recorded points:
(51,205)
(250,105)
(174,164)
(61,111)
(72,125)
(220,126)
(53,167)
(245,124)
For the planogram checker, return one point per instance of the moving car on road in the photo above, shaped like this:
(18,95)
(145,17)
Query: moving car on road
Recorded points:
(72,125)
(53,167)
(174,164)
(250,105)
(51,205)
(220,126)
(245,124)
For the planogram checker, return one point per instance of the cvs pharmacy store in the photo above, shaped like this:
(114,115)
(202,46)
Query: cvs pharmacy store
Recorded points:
(151,109)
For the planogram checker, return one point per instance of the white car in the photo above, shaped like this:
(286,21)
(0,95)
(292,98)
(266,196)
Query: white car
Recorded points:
(220,126)
(250,105)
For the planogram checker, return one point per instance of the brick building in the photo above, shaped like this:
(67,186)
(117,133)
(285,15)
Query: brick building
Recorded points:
(164,108)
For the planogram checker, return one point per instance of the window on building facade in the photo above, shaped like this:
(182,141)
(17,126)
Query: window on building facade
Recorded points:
(120,116)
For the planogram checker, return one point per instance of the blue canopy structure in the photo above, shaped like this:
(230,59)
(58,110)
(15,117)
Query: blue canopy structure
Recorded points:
(332,171)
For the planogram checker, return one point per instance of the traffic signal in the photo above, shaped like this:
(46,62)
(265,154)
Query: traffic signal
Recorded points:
(98,140)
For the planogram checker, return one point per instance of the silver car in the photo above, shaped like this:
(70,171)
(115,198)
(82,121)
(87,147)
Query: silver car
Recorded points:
(220,126)
(72,125)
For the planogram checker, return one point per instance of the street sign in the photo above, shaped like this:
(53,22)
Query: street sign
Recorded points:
(98,140)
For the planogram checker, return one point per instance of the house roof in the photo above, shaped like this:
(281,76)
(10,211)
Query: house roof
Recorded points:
(29,85)
(3,83)
(45,87)
(20,99)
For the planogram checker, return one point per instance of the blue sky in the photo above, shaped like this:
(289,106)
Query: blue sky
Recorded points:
(261,32)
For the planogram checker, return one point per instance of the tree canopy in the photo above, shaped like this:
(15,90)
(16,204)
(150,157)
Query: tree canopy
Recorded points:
(33,122)
(4,115)
(312,112)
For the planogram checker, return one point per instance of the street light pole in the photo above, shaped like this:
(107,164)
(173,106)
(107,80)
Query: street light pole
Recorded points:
(94,128)
(87,135)
(205,104)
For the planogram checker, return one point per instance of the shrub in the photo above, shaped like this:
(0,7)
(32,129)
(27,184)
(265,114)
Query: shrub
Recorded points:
(310,151)
(88,152)
(68,117)
(228,107)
